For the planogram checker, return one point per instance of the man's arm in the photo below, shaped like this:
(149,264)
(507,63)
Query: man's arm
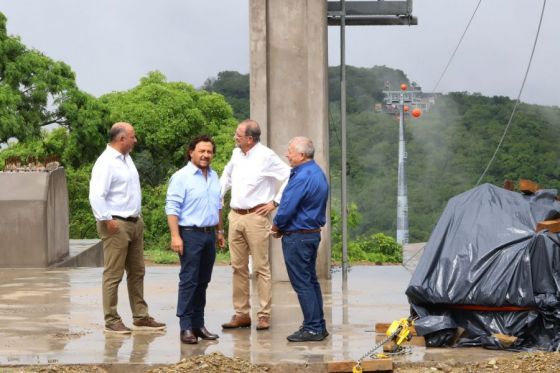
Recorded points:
(221,237)
(173,202)
(293,194)
(280,171)
(225,179)
(176,241)
(99,186)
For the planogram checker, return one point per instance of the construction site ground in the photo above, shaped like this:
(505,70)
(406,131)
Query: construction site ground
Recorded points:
(52,321)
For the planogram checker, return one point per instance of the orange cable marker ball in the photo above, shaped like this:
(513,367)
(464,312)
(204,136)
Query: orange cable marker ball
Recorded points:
(406,108)
(404,87)
(416,113)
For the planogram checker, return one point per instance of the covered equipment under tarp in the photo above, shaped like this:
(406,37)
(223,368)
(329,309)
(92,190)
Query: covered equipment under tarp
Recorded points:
(485,271)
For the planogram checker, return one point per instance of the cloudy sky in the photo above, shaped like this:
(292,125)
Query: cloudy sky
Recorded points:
(110,44)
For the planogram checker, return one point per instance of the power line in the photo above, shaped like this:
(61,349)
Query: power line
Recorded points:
(457,47)
(516,103)
(436,87)
(518,96)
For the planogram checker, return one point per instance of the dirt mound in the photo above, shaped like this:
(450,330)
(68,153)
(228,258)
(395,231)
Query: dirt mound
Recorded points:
(542,362)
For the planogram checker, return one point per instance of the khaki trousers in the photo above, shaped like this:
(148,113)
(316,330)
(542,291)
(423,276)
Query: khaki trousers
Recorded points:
(249,235)
(122,251)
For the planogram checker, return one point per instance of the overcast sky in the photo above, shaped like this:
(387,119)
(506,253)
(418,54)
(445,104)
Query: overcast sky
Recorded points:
(111,44)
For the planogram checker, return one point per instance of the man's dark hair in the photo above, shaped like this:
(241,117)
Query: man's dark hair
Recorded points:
(115,132)
(196,140)
(252,129)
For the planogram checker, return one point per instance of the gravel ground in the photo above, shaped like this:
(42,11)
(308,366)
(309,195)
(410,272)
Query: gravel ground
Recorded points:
(541,362)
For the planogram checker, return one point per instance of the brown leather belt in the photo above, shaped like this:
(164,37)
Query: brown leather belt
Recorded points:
(132,219)
(247,211)
(302,231)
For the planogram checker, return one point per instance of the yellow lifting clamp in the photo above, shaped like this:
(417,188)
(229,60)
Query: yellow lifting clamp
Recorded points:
(400,331)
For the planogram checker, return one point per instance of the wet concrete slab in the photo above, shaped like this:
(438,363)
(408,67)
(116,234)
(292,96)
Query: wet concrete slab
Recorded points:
(55,316)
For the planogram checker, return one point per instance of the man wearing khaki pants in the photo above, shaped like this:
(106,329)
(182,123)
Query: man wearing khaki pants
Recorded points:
(116,201)
(252,173)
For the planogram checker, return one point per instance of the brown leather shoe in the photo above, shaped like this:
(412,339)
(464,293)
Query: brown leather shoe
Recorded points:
(147,323)
(264,322)
(118,328)
(188,337)
(238,321)
(203,333)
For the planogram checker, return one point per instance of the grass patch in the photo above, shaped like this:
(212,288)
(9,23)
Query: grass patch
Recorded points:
(162,256)
(170,257)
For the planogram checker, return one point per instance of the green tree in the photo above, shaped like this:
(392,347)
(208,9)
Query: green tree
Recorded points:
(32,87)
(235,88)
(166,116)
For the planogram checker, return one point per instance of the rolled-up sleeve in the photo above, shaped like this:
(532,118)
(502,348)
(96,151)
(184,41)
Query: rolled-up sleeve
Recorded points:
(175,197)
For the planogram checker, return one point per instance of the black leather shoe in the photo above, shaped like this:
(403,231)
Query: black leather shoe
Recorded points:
(188,337)
(203,333)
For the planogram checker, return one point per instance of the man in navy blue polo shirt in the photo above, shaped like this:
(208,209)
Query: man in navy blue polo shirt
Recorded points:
(300,216)
(193,208)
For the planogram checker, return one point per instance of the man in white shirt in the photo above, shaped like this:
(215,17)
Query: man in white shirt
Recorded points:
(253,174)
(116,201)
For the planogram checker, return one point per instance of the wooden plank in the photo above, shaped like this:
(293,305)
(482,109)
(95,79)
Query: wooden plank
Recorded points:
(381,327)
(528,186)
(375,365)
(415,341)
(553,226)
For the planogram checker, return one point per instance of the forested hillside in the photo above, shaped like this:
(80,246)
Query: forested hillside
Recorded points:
(448,148)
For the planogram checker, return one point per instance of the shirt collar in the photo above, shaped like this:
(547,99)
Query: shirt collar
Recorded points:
(303,165)
(192,169)
(250,151)
(114,152)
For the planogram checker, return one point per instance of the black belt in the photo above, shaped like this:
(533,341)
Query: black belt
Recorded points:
(194,228)
(302,231)
(132,219)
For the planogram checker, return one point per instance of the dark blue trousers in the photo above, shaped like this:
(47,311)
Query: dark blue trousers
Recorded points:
(300,255)
(197,262)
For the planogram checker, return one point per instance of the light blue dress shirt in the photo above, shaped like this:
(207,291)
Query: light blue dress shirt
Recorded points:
(194,199)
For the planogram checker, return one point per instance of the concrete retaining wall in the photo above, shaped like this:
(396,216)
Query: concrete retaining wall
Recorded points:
(33,219)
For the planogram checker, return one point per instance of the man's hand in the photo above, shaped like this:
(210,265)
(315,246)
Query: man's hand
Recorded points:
(275,232)
(112,226)
(176,244)
(265,209)
(221,241)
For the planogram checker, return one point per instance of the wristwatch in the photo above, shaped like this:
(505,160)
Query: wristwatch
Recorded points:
(275,203)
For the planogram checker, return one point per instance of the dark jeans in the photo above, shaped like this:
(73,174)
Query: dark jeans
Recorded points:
(300,255)
(197,262)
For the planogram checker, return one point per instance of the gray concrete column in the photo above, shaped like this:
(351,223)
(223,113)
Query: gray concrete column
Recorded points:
(289,80)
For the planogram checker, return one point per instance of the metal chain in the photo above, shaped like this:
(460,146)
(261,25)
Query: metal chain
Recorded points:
(375,347)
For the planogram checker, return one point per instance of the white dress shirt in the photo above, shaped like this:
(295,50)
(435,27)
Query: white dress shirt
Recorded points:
(253,177)
(114,188)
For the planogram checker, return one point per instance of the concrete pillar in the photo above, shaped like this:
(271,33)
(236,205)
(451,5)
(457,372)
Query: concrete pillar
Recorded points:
(289,80)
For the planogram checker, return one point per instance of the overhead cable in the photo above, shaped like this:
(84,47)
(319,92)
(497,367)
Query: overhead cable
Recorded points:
(457,47)
(518,97)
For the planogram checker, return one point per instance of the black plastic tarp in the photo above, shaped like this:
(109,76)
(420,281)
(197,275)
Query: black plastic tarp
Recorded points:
(485,270)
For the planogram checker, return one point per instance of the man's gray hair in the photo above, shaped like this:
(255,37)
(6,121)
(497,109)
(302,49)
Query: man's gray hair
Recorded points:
(304,146)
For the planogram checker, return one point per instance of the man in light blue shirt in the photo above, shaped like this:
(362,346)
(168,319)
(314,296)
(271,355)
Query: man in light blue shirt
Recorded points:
(193,208)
